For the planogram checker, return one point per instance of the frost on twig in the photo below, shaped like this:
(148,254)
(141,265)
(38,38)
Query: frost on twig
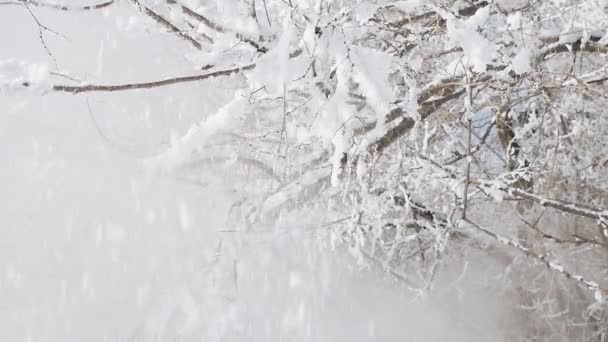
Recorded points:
(553,266)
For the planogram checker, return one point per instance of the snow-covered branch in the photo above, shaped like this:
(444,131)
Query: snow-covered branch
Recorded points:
(76,89)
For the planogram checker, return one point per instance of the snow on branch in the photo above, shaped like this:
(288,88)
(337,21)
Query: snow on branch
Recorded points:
(170,26)
(221,29)
(601,215)
(553,266)
(59,6)
(16,75)
(76,89)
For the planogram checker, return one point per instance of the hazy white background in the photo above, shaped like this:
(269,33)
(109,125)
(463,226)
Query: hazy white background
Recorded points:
(95,248)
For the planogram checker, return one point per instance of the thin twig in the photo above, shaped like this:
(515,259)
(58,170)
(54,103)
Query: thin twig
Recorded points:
(267,16)
(467,179)
(469,112)
(475,148)
(42,27)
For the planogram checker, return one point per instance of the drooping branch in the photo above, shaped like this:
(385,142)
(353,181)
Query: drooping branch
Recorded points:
(218,28)
(601,215)
(169,26)
(553,266)
(76,89)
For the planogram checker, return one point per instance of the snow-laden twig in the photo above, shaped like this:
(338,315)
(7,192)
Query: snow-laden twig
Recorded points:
(170,26)
(468,106)
(553,266)
(221,29)
(601,215)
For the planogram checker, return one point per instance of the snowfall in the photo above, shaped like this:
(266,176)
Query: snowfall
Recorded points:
(95,246)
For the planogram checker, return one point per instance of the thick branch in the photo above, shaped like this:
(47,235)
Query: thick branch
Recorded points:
(591,46)
(63,7)
(425,110)
(147,85)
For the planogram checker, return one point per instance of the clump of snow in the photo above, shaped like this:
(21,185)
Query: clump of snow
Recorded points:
(134,24)
(274,69)
(185,219)
(514,20)
(408,5)
(556,266)
(370,71)
(600,296)
(182,148)
(478,50)
(521,62)
(295,279)
(18,75)
(340,143)
(496,191)
(365,11)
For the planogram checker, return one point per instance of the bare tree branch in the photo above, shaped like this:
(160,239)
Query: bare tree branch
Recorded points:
(147,85)
(60,7)
(601,215)
(41,29)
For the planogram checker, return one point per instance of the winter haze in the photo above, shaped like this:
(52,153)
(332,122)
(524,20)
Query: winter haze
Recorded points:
(334,170)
